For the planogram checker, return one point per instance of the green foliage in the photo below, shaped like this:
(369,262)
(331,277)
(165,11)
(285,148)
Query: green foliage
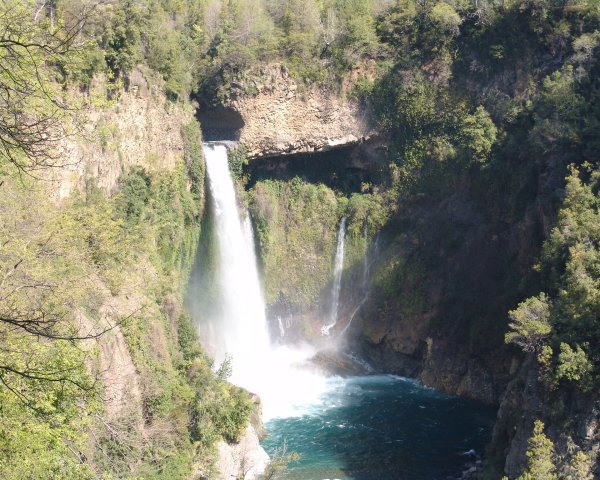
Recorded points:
(545,361)
(477,135)
(358,25)
(446,19)
(296,223)
(558,112)
(218,409)
(120,37)
(34,113)
(399,26)
(573,365)
(192,138)
(570,260)
(530,325)
(50,265)
(134,195)
(540,456)
(365,212)
(579,467)
(237,158)
(36,445)
(431,131)
(165,54)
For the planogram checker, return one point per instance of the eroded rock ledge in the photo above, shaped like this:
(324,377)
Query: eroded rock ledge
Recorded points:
(274,115)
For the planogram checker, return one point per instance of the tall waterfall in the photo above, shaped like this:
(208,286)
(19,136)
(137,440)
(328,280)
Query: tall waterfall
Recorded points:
(242,309)
(338,267)
(239,330)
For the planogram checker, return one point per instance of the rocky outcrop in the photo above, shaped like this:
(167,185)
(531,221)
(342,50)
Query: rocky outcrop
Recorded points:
(245,459)
(272,114)
(571,418)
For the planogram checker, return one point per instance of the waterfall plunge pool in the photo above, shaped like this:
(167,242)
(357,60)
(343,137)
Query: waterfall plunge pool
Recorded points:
(381,427)
(362,428)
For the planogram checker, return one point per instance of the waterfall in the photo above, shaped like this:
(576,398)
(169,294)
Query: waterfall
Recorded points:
(242,307)
(239,329)
(365,280)
(337,278)
(281,327)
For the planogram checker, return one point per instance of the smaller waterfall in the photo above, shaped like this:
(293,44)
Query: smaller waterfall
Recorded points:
(337,278)
(365,281)
(281,327)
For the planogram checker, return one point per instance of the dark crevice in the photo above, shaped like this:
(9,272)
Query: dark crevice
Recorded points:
(219,123)
(345,169)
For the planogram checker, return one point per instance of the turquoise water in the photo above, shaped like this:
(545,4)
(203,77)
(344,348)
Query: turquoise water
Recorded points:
(379,428)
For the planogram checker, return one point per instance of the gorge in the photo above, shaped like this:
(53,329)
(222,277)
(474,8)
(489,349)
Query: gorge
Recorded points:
(360,427)
(271,239)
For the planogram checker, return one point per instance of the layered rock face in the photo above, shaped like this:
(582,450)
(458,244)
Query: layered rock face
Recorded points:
(271,114)
(138,128)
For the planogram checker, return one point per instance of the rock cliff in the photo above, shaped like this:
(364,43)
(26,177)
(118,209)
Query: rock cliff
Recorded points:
(138,127)
(271,114)
(245,459)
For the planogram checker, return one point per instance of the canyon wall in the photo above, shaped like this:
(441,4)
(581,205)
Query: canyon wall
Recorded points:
(138,358)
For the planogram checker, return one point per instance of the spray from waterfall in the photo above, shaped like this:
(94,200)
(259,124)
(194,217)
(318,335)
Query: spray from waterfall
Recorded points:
(281,327)
(338,268)
(239,328)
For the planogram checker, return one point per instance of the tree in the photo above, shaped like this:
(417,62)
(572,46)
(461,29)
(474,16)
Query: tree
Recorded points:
(570,259)
(358,31)
(477,135)
(540,456)
(558,113)
(579,467)
(278,465)
(446,19)
(33,109)
(530,325)
(573,365)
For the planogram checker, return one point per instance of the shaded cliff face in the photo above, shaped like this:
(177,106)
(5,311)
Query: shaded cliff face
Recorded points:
(269,113)
(451,265)
(572,418)
(439,299)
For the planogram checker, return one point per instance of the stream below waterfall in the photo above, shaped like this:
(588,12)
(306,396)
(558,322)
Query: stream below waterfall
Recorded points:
(378,427)
(381,427)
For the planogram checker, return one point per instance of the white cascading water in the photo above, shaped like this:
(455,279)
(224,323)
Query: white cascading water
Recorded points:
(241,331)
(338,267)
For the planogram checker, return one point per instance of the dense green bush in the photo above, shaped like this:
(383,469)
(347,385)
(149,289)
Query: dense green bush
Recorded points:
(570,258)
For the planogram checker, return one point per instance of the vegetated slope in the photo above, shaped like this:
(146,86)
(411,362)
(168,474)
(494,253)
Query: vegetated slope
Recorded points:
(486,111)
(101,371)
